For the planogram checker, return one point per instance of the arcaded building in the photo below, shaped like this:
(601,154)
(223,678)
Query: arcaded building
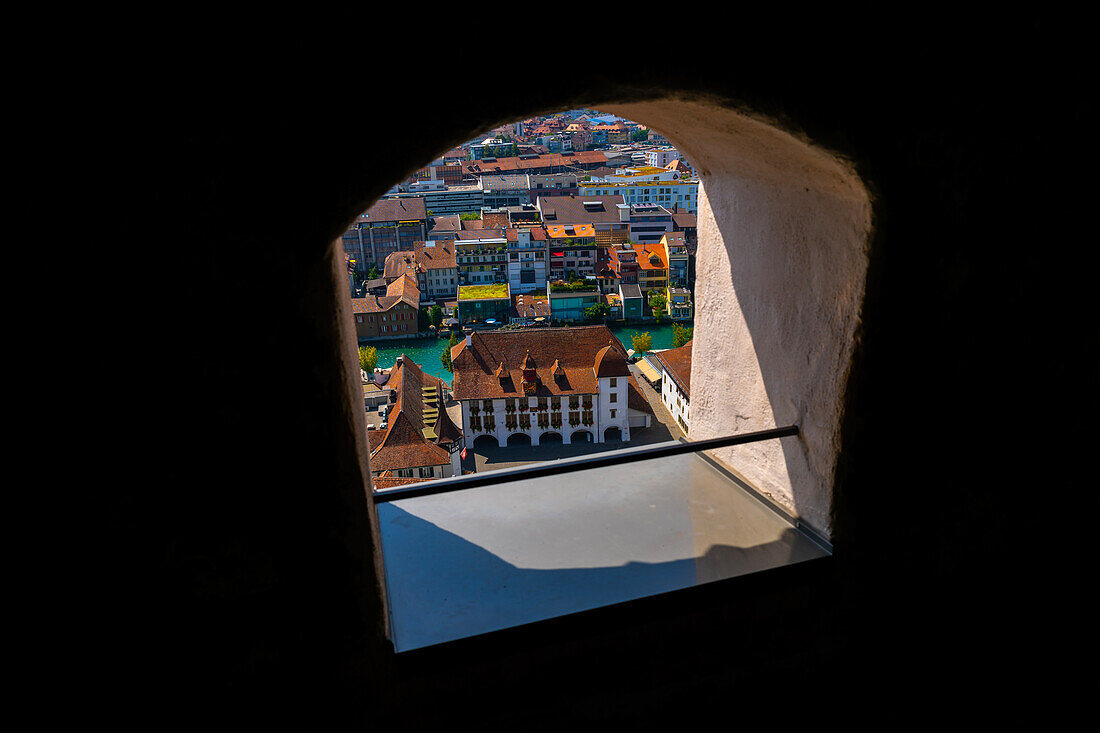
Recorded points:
(548,385)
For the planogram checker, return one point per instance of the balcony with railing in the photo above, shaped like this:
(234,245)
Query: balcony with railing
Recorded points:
(474,554)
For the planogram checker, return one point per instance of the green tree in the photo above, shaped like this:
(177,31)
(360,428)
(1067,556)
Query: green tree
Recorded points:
(681,335)
(368,358)
(640,135)
(469,216)
(437,316)
(597,312)
(657,302)
(641,342)
(445,357)
(373,274)
(423,319)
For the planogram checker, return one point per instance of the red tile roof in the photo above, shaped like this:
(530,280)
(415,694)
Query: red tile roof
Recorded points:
(405,444)
(495,221)
(401,290)
(398,263)
(609,364)
(391,210)
(538,234)
(515,165)
(577,352)
(677,363)
(439,255)
(390,481)
(405,447)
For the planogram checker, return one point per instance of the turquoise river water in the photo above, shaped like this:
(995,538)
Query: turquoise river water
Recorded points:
(426,351)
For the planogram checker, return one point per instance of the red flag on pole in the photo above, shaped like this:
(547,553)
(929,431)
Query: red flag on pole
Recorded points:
(463,454)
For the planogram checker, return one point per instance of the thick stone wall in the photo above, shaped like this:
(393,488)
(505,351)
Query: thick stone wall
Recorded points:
(782,258)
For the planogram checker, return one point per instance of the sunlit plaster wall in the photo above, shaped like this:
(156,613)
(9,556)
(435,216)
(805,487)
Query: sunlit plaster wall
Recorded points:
(781,263)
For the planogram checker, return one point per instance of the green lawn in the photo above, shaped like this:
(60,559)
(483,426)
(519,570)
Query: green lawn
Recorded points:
(481,292)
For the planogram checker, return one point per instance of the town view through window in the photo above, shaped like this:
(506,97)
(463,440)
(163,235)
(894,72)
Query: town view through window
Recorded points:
(527,296)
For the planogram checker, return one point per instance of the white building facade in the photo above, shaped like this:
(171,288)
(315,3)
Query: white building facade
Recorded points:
(676,401)
(581,418)
(527,263)
(676,383)
(565,386)
(677,193)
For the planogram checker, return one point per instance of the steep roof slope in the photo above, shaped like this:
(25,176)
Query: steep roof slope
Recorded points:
(574,350)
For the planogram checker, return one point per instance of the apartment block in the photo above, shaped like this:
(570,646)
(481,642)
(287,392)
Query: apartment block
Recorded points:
(390,225)
(528,259)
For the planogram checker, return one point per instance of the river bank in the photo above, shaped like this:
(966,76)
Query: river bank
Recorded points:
(426,351)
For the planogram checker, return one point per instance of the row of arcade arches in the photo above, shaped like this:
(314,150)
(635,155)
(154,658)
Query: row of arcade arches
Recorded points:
(612,434)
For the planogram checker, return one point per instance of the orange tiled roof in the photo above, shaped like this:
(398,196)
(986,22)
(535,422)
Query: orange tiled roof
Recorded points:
(390,481)
(561,231)
(401,290)
(404,289)
(573,351)
(405,447)
(404,444)
(398,263)
(647,255)
(538,234)
(439,256)
(494,221)
(516,164)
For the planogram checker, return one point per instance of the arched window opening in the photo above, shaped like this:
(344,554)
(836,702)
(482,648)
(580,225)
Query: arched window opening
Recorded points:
(515,297)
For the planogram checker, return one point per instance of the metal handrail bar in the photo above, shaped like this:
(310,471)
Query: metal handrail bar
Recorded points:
(578,463)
